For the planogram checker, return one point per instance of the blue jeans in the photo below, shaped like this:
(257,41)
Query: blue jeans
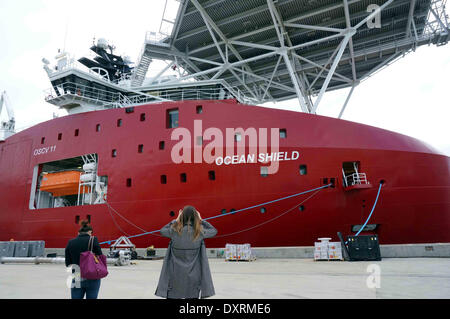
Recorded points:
(88,287)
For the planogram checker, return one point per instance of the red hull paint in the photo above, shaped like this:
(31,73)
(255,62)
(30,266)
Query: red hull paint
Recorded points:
(414,205)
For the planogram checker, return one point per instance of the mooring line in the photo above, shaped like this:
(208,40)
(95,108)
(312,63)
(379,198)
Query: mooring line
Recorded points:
(233,212)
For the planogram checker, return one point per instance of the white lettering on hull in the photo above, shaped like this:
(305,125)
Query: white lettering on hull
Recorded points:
(44,150)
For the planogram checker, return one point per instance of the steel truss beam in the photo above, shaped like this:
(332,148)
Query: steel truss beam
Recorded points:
(289,69)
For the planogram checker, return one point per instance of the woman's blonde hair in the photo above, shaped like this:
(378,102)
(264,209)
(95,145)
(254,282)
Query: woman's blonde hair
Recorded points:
(189,216)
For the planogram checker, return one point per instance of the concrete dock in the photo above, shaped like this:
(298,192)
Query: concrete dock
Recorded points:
(263,278)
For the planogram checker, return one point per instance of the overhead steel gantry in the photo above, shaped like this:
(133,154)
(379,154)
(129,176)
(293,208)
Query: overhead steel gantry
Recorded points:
(275,50)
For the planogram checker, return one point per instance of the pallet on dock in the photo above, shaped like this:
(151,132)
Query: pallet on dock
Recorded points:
(252,258)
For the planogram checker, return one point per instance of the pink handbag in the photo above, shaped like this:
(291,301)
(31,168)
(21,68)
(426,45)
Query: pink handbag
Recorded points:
(91,265)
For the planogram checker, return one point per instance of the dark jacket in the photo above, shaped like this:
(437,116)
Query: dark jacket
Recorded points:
(78,245)
(185,272)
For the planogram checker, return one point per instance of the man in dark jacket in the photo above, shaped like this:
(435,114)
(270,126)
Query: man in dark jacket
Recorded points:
(75,247)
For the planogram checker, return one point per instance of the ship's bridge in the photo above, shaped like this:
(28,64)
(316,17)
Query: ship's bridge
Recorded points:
(256,51)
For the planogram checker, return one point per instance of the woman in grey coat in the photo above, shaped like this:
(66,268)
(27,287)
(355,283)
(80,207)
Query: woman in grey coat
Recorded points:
(185,272)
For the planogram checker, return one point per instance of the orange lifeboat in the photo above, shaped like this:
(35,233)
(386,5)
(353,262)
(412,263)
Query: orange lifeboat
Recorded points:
(62,183)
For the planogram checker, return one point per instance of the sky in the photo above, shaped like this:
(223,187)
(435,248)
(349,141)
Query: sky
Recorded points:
(410,96)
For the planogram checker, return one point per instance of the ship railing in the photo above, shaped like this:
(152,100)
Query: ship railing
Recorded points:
(356,179)
(100,74)
(76,90)
(118,99)
(156,38)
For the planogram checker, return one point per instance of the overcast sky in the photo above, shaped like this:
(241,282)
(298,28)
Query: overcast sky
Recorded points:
(410,97)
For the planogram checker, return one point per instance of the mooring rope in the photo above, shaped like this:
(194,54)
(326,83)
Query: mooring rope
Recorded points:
(233,212)
(371,212)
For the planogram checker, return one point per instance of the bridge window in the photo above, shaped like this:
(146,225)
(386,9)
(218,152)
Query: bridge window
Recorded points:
(283,133)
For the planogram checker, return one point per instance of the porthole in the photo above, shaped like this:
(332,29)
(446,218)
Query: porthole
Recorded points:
(263,210)
(301,208)
(172,213)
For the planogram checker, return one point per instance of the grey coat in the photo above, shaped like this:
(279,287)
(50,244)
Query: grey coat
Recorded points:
(185,272)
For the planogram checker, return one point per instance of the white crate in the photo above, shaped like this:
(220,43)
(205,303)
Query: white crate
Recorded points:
(326,250)
(230,252)
(239,252)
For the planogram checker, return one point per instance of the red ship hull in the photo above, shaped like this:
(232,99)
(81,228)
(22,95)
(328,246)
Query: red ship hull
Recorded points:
(414,204)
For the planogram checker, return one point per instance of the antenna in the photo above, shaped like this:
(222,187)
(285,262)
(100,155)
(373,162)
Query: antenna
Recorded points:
(65,33)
